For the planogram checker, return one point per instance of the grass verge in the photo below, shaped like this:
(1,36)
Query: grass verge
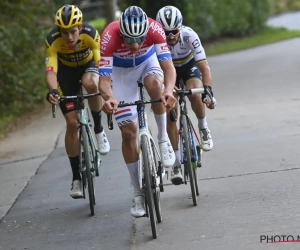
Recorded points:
(265,36)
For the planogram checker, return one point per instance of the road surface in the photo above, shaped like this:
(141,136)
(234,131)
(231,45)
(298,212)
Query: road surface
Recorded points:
(249,181)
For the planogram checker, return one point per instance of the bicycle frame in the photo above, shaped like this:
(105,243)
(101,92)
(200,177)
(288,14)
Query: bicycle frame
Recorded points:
(183,112)
(144,130)
(84,123)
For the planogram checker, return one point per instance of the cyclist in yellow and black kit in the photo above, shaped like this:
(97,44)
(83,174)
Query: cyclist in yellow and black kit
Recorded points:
(73,55)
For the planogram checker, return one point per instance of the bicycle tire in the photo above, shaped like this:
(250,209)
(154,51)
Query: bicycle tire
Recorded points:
(196,182)
(190,166)
(148,183)
(156,193)
(88,165)
(194,152)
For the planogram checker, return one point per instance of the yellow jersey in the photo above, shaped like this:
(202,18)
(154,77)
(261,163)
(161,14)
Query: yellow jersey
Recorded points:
(86,49)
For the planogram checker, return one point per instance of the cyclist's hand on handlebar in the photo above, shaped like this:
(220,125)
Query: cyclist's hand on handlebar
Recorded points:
(168,100)
(212,104)
(52,96)
(208,97)
(110,106)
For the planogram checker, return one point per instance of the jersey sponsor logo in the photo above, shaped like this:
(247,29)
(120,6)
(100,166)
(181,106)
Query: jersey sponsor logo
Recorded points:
(156,28)
(164,47)
(47,60)
(124,122)
(105,40)
(49,69)
(86,28)
(196,44)
(103,63)
(193,69)
(186,39)
(70,106)
(131,56)
(75,57)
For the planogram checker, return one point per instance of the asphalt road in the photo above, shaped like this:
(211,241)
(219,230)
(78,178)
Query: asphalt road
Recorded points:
(249,181)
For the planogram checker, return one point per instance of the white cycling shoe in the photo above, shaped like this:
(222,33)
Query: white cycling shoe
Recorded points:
(167,154)
(103,143)
(176,175)
(206,140)
(138,206)
(76,191)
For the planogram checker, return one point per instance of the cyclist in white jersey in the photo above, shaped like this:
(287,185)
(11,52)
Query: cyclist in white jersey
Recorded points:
(135,48)
(192,68)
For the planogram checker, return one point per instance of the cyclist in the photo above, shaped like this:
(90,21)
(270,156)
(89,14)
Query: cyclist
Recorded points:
(72,50)
(135,48)
(192,68)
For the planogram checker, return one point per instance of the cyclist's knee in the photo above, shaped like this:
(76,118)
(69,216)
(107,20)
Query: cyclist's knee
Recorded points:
(129,131)
(72,125)
(153,85)
(91,84)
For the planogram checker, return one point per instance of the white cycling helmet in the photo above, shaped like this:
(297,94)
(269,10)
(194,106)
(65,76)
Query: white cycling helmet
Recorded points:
(169,17)
(133,22)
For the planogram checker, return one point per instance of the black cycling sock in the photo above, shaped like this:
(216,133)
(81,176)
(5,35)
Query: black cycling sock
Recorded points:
(74,161)
(98,128)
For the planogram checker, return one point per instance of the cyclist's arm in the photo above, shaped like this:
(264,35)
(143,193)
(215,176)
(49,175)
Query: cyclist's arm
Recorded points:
(169,75)
(105,87)
(200,57)
(94,41)
(51,67)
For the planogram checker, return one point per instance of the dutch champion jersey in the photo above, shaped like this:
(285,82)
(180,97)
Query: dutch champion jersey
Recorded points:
(187,47)
(114,52)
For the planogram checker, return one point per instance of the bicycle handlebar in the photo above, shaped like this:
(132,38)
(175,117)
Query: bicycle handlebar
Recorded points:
(139,102)
(110,123)
(85,96)
(190,91)
(77,97)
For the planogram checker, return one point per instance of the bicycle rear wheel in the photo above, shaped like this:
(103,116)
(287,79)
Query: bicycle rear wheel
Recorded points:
(88,165)
(148,184)
(188,157)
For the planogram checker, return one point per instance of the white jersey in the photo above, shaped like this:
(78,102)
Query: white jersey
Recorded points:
(188,46)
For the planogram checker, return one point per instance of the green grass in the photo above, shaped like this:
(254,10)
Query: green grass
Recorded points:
(265,36)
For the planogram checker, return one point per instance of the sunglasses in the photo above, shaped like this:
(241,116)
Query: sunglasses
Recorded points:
(134,40)
(173,32)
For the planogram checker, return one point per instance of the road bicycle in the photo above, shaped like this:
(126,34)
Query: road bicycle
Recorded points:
(89,155)
(190,145)
(151,171)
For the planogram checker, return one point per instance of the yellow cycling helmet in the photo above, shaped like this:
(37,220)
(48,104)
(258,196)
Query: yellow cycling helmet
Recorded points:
(68,16)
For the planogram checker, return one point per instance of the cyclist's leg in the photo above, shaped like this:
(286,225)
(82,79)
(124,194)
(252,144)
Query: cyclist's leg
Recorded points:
(125,89)
(192,79)
(68,84)
(176,173)
(153,81)
(89,80)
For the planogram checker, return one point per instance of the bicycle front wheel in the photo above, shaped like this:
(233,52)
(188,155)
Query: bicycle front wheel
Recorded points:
(88,165)
(189,164)
(148,184)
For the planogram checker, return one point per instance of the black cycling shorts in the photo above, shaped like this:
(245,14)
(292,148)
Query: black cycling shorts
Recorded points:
(187,72)
(68,79)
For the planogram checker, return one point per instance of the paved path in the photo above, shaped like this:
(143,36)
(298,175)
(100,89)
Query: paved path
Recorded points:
(249,181)
(290,21)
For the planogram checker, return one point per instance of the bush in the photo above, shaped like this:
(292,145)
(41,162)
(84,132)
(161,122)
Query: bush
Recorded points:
(23,27)
(280,6)
(218,18)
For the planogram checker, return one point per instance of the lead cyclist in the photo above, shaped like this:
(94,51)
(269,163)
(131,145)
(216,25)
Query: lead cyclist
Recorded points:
(192,68)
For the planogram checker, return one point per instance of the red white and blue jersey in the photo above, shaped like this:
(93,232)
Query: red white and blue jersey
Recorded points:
(114,52)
